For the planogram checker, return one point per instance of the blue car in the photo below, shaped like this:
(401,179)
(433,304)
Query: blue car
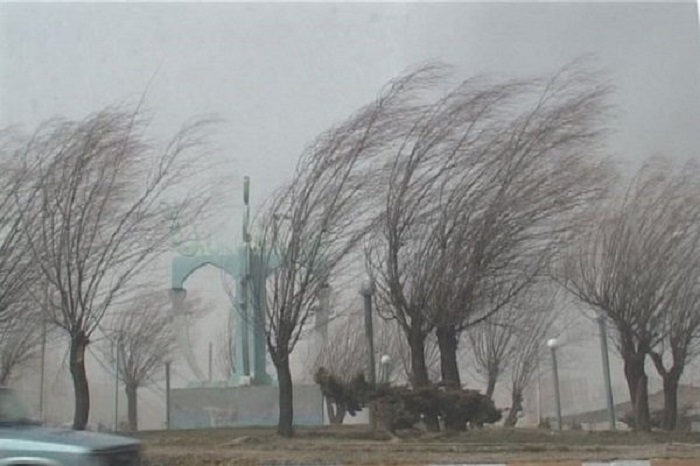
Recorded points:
(24,442)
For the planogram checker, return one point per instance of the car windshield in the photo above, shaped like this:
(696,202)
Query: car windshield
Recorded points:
(12,410)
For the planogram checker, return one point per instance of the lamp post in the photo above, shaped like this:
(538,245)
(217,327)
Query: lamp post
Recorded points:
(167,395)
(366,290)
(606,369)
(385,368)
(117,351)
(552,344)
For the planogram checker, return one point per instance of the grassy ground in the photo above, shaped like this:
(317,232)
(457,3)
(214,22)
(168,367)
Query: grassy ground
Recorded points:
(357,445)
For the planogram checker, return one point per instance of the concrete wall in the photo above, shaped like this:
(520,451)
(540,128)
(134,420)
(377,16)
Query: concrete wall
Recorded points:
(199,407)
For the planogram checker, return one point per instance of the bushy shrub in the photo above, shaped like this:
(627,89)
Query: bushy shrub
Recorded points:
(403,407)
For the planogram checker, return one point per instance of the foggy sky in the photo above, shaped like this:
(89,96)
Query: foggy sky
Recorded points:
(278,74)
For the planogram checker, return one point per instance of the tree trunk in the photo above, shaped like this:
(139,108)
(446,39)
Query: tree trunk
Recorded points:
(78,344)
(419,370)
(670,417)
(132,407)
(630,378)
(515,407)
(419,373)
(490,386)
(447,342)
(641,409)
(637,381)
(336,412)
(671,378)
(285,424)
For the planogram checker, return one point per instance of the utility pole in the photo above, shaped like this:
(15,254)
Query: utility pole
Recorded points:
(539,394)
(42,372)
(553,343)
(43,367)
(606,369)
(167,395)
(366,291)
(210,360)
(116,384)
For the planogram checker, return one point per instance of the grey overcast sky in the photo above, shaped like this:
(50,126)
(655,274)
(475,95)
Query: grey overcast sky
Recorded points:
(280,73)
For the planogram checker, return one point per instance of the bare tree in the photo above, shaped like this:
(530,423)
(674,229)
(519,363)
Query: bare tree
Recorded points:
(681,318)
(100,204)
(403,252)
(632,268)
(20,340)
(480,194)
(142,337)
(681,345)
(345,354)
(528,344)
(226,349)
(511,217)
(311,226)
(492,348)
(16,271)
(344,357)
(511,341)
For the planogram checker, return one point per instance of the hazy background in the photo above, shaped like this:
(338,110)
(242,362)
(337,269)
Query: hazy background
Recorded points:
(278,74)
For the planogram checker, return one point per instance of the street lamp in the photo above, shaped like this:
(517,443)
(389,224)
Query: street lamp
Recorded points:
(167,394)
(366,290)
(117,350)
(552,343)
(606,369)
(385,368)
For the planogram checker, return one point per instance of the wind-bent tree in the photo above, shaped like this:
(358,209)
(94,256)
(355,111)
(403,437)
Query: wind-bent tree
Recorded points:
(633,267)
(492,348)
(681,318)
(479,196)
(142,336)
(510,343)
(416,215)
(98,213)
(20,339)
(528,345)
(345,354)
(313,224)
(16,272)
(533,170)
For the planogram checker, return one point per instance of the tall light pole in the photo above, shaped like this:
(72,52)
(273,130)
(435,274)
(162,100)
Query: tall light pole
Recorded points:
(539,393)
(116,383)
(43,368)
(385,369)
(606,369)
(552,344)
(167,395)
(366,290)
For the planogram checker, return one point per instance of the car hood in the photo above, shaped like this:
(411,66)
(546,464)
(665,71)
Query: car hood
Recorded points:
(58,436)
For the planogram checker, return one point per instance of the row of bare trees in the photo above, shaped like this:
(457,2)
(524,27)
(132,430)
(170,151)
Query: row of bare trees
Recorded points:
(458,202)
(638,265)
(464,205)
(85,212)
(462,202)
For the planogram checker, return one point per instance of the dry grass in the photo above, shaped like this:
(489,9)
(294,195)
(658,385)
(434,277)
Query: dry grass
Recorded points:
(357,445)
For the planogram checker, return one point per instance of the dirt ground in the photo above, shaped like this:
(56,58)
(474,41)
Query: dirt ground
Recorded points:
(357,445)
